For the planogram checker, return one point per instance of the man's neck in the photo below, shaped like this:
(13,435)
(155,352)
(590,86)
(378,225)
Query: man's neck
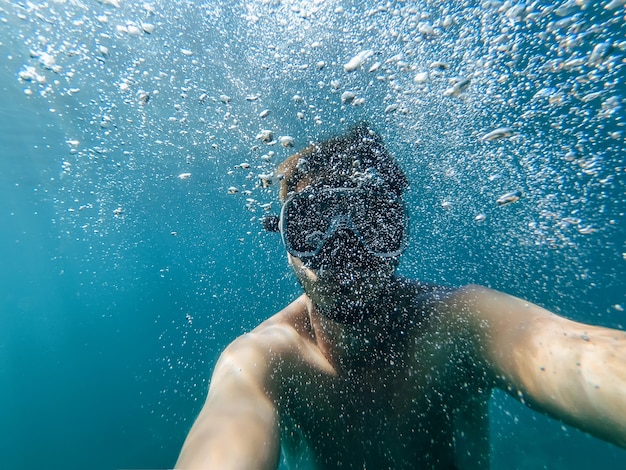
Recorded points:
(353,345)
(379,334)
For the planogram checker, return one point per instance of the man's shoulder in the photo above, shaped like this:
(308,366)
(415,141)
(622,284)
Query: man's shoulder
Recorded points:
(438,293)
(419,295)
(445,309)
(280,333)
(281,344)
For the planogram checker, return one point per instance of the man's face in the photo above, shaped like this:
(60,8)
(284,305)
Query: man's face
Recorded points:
(343,245)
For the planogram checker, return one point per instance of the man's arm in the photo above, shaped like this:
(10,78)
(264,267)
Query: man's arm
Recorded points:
(571,371)
(238,425)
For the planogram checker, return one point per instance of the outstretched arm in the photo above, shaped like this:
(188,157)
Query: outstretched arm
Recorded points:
(238,425)
(568,370)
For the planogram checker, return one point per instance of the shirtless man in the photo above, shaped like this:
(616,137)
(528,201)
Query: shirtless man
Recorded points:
(369,370)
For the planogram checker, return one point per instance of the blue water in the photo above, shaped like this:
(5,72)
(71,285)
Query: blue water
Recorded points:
(121,282)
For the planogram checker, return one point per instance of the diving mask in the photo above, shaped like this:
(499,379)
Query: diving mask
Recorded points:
(310,218)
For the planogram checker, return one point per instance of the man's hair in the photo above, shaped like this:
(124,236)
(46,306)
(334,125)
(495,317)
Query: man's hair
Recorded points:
(335,161)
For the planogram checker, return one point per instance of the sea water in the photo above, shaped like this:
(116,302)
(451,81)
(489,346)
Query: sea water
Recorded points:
(134,137)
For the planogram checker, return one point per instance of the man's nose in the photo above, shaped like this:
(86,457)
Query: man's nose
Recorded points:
(344,248)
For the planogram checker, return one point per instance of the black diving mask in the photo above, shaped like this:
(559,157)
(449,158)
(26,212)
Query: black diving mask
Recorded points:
(310,218)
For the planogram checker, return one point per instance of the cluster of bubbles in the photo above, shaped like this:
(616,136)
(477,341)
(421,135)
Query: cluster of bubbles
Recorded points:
(215,81)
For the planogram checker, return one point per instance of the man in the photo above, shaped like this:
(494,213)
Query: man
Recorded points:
(369,370)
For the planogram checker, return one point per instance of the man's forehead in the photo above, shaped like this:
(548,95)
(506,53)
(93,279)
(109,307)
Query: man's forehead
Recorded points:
(325,183)
(349,178)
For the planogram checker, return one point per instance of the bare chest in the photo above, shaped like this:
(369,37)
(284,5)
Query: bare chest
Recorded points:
(402,418)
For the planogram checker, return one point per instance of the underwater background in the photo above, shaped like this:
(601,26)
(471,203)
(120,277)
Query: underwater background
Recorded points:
(133,139)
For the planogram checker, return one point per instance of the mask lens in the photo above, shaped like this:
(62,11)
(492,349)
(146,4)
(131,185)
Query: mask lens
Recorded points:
(307,220)
(381,224)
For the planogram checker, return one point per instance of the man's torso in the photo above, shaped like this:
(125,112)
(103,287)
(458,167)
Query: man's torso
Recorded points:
(416,404)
